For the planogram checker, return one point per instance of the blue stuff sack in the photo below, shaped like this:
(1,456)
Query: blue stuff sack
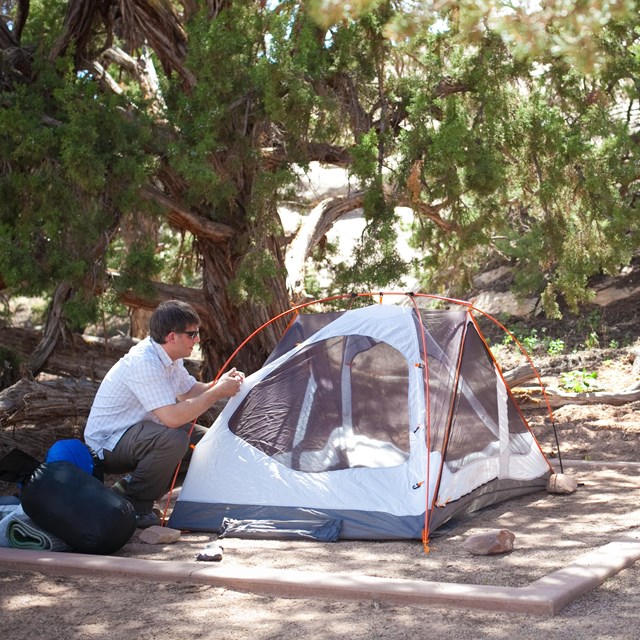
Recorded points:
(78,453)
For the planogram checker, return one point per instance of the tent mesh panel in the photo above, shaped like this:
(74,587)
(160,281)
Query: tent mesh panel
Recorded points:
(314,412)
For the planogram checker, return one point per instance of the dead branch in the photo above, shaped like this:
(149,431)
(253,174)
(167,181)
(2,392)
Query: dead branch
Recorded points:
(182,218)
(520,374)
(46,402)
(559,398)
(52,330)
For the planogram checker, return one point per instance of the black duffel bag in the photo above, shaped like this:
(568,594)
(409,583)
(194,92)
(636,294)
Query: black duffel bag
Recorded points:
(77,508)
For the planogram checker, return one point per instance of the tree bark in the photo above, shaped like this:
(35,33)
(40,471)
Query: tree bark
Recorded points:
(46,402)
(78,357)
(182,218)
(82,357)
(558,398)
(227,324)
(34,415)
(520,374)
(52,331)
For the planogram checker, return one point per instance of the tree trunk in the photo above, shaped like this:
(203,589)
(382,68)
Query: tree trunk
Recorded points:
(227,324)
(52,330)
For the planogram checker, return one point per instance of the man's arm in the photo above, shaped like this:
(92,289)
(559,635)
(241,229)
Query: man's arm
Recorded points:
(198,399)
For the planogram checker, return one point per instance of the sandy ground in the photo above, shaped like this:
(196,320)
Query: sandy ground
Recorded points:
(551,531)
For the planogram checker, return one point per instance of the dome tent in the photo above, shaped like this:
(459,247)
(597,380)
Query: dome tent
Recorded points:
(386,420)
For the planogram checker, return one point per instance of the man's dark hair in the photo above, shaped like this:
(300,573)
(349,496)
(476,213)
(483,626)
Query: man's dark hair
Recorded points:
(171,315)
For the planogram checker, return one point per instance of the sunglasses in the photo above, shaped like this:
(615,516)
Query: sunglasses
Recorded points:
(192,334)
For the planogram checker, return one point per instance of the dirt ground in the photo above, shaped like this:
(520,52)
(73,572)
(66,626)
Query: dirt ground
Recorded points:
(550,530)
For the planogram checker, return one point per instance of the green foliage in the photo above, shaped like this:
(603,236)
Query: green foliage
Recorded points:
(257,268)
(138,268)
(524,155)
(80,311)
(365,157)
(177,257)
(536,342)
(556,347)
(530,342)
(72,165)
(509,131)
(592,341)
(580,381)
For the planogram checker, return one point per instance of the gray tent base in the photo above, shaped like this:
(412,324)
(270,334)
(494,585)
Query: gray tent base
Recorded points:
(490,494)
(353,524)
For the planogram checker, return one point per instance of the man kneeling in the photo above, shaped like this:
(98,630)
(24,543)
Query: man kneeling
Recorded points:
(143,411)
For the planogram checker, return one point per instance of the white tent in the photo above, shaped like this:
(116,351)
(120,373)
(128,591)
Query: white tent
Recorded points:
(360,418)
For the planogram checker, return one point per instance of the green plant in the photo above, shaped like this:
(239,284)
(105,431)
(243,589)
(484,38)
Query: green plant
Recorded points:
(531,342)
(579,381)
(614,344)
(556,347)
(592,341)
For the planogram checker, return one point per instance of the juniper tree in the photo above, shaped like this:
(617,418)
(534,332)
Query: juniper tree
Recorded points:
(506,138)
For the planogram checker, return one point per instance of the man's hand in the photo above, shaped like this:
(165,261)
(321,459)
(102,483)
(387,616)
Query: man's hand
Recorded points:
(201,396)
(229,383)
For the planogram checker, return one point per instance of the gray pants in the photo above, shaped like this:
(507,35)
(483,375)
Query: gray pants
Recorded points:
(151,452)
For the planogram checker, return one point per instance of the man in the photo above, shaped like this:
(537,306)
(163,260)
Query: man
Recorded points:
(144,408)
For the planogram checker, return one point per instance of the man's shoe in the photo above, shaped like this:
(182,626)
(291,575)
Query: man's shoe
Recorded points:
(122,485)
(146,520)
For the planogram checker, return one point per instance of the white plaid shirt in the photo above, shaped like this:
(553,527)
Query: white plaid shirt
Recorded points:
(143,380)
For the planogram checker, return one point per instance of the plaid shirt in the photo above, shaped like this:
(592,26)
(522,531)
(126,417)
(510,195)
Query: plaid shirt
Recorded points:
(143,380)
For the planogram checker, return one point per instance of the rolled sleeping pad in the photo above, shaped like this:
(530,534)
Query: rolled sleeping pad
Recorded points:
(66,501)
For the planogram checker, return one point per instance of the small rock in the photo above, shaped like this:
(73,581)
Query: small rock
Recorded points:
(213,552)
(490,543)
(159,535)
(561,483)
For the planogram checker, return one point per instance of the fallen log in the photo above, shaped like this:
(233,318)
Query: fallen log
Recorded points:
(558,398)
(517,376)
(34,415)
(77,356)
(46,401)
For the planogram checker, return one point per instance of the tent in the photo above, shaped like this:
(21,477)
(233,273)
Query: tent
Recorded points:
(386,420)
